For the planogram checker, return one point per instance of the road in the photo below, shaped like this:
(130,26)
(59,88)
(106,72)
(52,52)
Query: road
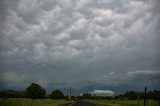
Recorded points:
(82,103)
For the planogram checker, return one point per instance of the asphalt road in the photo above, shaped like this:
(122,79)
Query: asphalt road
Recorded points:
(82,103)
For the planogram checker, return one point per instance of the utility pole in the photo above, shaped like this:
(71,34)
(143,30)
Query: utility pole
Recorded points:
(145,93)
(138,96)
(70,93)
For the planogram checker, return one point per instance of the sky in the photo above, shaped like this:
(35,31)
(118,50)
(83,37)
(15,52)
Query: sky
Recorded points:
(84,44)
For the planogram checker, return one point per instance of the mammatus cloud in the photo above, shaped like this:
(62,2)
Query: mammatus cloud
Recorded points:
(79,43)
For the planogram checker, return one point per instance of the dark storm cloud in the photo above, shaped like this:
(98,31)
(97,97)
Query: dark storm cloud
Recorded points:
(79,43)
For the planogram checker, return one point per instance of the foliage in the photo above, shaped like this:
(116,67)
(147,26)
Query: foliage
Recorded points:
(73,98)
(11,94)
(35,91)
(90,96)
(131,95)
(86,96)
(154,95)
(57,94)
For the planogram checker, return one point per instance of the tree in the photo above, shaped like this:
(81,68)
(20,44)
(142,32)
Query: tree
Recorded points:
(57,94)
(156,95)
(131,95)
(87,96)
(35,91)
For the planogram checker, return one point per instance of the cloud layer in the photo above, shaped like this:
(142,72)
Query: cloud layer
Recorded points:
(78,43)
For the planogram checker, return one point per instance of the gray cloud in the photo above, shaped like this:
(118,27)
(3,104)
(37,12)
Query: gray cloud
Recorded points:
(77,42)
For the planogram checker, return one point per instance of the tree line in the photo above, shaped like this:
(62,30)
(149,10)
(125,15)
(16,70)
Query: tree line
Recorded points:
(129,95)
(133,95)
(33,91)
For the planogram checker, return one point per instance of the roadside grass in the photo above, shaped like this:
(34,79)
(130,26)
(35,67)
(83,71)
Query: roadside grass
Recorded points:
(125,102)
(29,102)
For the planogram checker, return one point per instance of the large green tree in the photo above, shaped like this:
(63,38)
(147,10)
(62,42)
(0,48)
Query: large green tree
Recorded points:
(57,94)
(35,91)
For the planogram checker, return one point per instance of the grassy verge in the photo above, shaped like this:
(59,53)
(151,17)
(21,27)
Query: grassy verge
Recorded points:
(125,103)
(29,102)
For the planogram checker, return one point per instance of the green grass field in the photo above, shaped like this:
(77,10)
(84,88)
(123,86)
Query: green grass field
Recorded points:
(50,102)
(125,102)
(28,102)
